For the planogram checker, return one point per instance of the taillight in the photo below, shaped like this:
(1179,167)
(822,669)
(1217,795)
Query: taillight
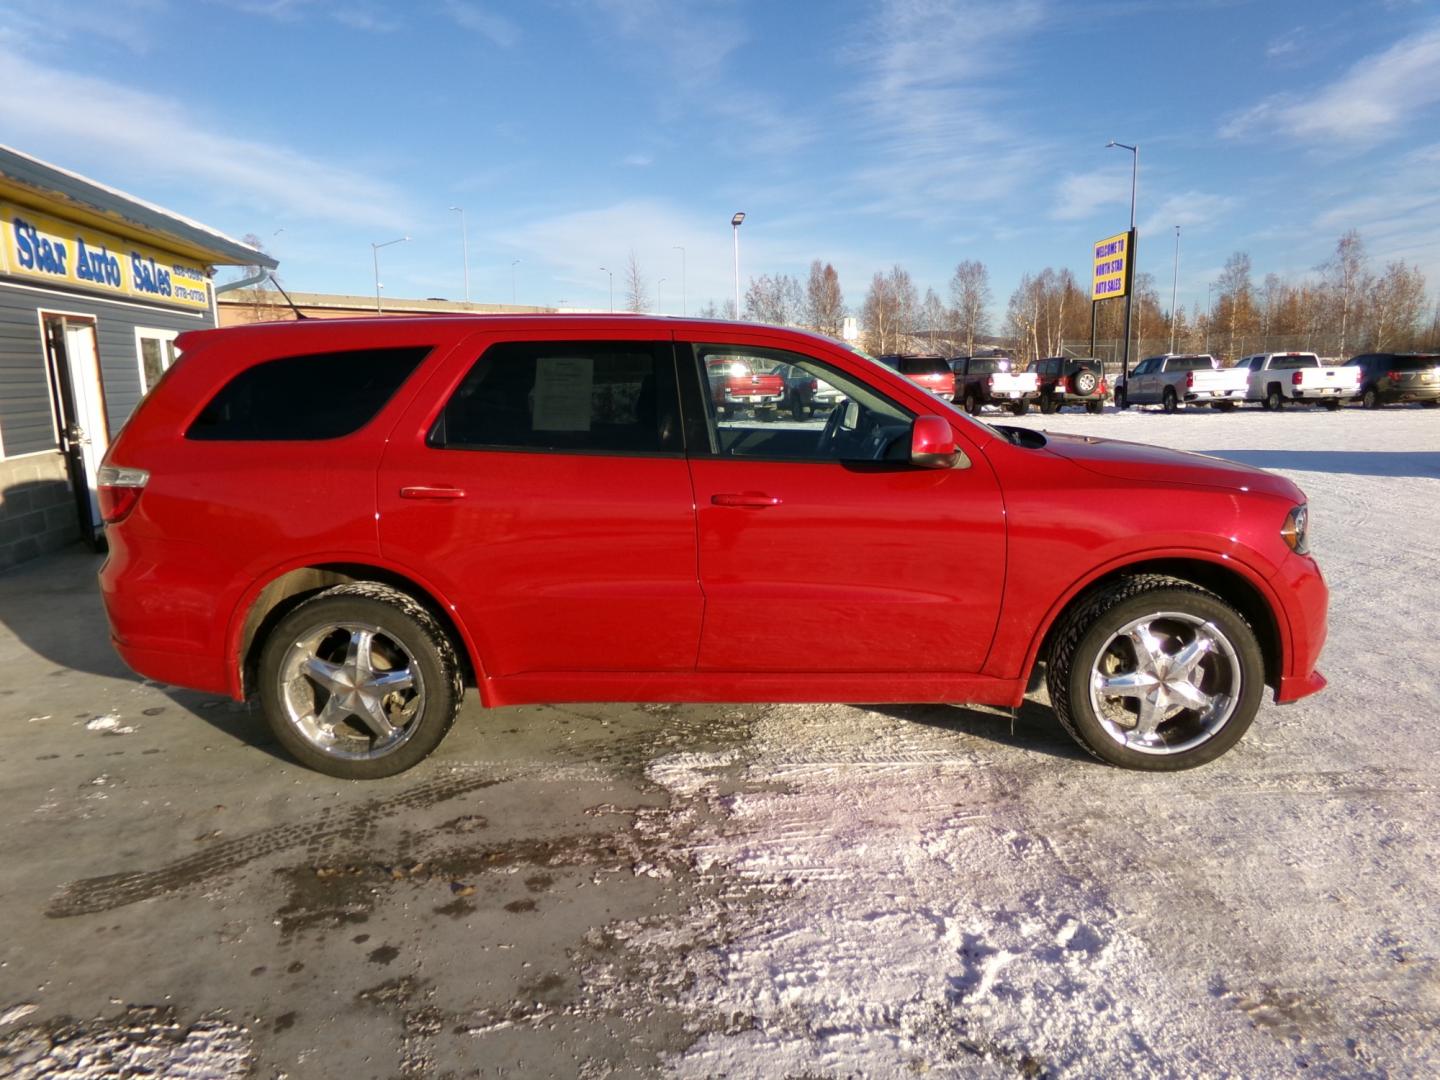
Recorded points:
(1189,380)
(1062,385)
(1394,376)
(118,490)
(990,380)
(1296,378)
(1102,387)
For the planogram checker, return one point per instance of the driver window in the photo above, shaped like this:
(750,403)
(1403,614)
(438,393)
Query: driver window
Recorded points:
(777,405)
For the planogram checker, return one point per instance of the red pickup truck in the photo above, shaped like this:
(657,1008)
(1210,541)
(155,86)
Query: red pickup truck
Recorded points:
(735,385)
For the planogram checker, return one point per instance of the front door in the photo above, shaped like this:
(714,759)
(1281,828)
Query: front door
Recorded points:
(823,550)
(544,484)
(73,360)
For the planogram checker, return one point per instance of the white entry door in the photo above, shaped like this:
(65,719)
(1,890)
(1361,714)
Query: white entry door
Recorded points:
(74,359)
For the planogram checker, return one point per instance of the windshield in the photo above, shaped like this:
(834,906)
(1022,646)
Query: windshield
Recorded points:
(1413,363)
(989,365)
(924,365)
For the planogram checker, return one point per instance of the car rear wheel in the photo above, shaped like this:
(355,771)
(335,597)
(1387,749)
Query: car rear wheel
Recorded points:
(1048,405)
(1169,402)
(1370,398)
(1155,673)
(1333,404)
(360,682)
(1020,408)
(972,406)
(1094,408)
(1274,400)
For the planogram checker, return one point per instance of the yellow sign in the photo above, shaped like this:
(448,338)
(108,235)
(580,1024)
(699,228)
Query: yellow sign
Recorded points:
(47,249)
(1112,267)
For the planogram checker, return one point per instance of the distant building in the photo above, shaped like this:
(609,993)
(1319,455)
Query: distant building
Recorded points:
(244,306)
(95,285)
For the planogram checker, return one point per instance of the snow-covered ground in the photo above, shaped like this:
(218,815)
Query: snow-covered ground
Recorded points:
(932,889)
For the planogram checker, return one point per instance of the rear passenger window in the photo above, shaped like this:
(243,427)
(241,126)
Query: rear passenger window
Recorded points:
(576,396)
(314,396)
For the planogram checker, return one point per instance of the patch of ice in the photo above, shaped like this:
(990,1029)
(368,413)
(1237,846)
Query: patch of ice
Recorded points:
(110,725)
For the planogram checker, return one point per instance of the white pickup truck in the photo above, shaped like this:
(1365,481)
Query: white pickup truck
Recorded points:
(1174,379)
(1276,378)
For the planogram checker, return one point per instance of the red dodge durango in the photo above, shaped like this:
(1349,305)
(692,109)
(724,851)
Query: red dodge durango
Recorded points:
(356,519)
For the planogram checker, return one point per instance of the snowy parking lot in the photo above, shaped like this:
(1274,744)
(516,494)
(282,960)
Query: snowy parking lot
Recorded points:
(751,891)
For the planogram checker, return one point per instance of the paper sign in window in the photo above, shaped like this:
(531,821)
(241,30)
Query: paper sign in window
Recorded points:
(564,386)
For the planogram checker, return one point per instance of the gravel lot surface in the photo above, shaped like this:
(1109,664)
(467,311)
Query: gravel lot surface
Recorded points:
(749,891)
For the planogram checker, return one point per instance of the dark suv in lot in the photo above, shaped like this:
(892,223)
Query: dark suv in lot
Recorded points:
(1071,380)
(1391,377)
(356,519)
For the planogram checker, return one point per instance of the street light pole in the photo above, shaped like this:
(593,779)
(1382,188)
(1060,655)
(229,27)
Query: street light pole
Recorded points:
(464,248)
(684,307)
(735,224)
(375,252)
(612,289)
(513,264)
(1130,257)
(1174,281)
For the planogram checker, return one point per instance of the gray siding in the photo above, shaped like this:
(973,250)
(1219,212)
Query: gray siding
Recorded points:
(25,411)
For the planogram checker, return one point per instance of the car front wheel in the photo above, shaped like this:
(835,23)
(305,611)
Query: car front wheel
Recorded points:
(1155,673)
(360,682)
(1169,403)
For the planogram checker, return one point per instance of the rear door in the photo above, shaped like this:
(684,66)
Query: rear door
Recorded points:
(541,481)
(822,549)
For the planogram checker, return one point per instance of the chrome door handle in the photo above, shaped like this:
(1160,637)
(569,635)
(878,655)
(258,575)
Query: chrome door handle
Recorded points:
(750,500)
(426,491)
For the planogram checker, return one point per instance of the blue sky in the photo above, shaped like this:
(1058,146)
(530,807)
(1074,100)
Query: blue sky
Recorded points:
(870,133)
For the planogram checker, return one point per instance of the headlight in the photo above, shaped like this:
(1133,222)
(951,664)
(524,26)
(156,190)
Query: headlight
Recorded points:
(1296,530)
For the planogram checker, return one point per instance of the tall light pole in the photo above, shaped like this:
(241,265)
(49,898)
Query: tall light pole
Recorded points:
(657,295)
(1174,281)
(514,263)
(612,289)
(1130,257)
(375,251)
(464,248)
(735,224)
(684,307)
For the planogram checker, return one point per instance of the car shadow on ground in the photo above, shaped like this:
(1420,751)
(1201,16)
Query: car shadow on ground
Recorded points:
(1033,728)
(1424,463)
(52,607)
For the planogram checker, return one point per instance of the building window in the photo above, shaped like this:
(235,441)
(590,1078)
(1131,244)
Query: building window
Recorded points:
(157,352)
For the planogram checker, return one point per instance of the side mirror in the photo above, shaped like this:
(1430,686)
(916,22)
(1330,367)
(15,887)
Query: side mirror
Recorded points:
(932,445)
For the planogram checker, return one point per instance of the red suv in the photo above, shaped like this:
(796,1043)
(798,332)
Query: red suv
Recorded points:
(356,519)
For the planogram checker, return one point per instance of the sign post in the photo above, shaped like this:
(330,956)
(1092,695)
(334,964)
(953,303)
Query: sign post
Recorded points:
(1112,276)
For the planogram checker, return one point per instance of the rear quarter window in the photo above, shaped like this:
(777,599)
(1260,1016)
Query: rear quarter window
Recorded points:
(306,397)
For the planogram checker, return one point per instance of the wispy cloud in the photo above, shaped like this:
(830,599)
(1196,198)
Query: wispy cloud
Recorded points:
(926,106)
(499,29)
(25,23)
(1375,100)
(637,161)
(691,39)
(44,104)
(1190,210)
(1079,195)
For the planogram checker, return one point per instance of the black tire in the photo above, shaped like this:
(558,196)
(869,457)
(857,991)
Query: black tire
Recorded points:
(1121,402)
(1089,639)
(972,405)
(1168,401)
(1333,404)
(1021,407)
(1222,406)
(1084,382)
(1095,408)
(1274,399)
(326,628)
(1048,404)
(1370,398)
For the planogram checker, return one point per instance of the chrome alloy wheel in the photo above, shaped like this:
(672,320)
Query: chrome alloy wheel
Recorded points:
(351,691)
(1165,683)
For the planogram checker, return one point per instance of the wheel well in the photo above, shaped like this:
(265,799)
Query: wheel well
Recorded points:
(290,590)
(1224,583)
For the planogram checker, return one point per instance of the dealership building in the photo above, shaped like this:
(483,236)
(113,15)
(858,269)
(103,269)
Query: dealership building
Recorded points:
(95,285)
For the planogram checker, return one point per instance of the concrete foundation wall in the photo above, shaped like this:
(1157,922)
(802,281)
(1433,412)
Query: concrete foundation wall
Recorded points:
(37,508)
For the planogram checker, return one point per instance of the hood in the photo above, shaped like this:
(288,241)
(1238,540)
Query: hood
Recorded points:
(1139,461)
